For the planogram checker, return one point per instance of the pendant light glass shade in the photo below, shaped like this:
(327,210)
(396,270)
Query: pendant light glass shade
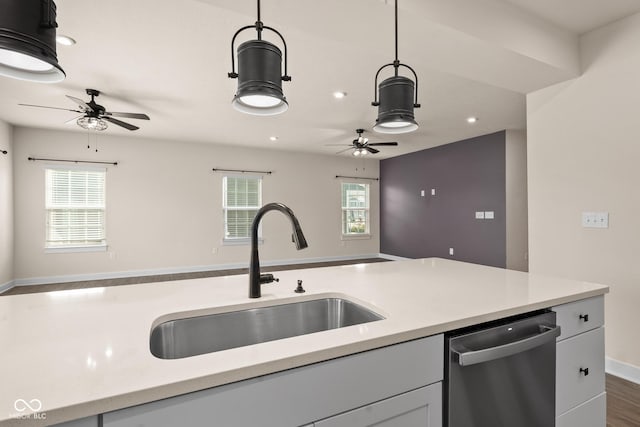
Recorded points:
(260,79)
(28,41)
(395,109)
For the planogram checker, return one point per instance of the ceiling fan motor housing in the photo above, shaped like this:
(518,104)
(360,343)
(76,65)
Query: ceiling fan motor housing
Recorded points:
(28,30)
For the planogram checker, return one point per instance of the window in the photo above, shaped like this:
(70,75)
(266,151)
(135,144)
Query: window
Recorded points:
(242,198)
(75,204)
(355,209)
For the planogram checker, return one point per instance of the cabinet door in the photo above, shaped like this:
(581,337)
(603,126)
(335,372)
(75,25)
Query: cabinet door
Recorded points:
(421,407)
(579,369)
(592,413)
(85,422)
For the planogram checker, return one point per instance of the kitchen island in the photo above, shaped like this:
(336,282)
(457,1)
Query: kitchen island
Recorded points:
(81,353)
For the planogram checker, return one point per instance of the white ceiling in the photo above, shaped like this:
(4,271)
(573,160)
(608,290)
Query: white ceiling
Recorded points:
(170,59)
(580,16)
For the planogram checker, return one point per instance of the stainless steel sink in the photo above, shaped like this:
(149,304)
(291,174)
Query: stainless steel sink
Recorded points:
(187,337)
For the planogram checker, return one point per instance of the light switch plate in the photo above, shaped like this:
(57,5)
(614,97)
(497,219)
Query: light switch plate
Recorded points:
(421,193)
(595,219)
(433,191)
(479,215)
(488,215)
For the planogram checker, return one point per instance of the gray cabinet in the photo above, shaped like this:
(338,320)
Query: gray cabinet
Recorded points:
(422,407)
(307,394)
(84,422)
(580,377)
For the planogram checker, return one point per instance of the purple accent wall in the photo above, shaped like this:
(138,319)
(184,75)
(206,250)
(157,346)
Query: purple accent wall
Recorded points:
(468,176)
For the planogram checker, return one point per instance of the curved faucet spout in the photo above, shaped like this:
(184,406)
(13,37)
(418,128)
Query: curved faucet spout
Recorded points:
(255,278)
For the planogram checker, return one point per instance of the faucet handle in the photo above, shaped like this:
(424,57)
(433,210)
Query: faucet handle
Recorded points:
(268,278)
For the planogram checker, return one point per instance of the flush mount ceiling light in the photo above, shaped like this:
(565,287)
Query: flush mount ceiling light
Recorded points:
(397,100)
(259,73)
(472,120)
(273,138)
(65,40)
(339,95)
(28,41)
(92,123)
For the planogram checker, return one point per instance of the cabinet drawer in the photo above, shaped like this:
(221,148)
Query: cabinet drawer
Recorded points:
(592,413)
(297,396)
(422,407)
(573,386)
(580,316)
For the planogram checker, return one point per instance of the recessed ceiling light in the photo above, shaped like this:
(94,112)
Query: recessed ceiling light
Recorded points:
(472,120)
(339,95)
(273,138)
(65,40)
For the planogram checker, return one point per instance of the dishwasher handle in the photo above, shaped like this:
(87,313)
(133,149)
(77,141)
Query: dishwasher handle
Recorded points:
(467,358)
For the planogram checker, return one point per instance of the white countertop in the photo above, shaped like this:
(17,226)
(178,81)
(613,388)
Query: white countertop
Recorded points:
(85,352)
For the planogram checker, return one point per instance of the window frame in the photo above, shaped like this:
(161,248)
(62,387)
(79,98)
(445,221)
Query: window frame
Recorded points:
(74,247)
(367,209)
(235,241)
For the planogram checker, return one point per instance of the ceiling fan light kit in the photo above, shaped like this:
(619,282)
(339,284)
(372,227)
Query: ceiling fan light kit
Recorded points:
(92,123)
(398,96)
(28,41)
(259,73)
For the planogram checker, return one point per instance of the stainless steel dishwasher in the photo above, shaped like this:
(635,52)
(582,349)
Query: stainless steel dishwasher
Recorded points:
(502,374)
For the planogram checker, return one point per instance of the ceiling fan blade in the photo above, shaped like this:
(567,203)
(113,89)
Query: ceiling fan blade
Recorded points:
(128,115)
(75,119)
(52,108)
(383,143)
(342,151)
(120,123)
(371,150)
(80,103)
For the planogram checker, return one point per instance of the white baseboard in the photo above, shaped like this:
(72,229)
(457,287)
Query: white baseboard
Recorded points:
(622,370)
(175,270)
(392,257)
(6,286)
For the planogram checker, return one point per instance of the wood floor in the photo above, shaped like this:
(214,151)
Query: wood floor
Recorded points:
(18,290)
(623,403)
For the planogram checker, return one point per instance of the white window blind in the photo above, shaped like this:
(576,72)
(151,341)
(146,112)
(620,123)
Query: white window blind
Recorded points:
(242,198)
(75,204)
(355,209)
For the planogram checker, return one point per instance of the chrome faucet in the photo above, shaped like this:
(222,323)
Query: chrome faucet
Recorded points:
(255,278)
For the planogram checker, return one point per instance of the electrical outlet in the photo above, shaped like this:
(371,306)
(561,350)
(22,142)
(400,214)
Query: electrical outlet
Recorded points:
(488,215)
(421,193)
(433,191)
(451,251)
(479,215)
(214,251)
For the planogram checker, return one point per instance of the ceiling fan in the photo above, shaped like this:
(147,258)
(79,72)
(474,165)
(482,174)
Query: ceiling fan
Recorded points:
(95,116)
(361,145)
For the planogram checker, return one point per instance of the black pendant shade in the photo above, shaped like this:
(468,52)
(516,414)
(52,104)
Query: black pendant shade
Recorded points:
(395,109)
(259,73)
(398,96)
(260,79)
(28,41)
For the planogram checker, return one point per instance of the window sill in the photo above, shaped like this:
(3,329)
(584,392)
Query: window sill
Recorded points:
(75,249)
(240,242)
(355,237)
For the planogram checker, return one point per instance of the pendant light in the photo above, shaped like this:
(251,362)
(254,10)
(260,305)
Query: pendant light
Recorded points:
(28,41)
(397,100)
(259,73)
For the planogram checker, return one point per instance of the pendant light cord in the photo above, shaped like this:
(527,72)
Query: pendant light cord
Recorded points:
(259,25)
(396,63)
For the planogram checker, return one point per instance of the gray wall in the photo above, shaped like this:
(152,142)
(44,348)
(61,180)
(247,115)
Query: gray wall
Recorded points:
(468,176)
